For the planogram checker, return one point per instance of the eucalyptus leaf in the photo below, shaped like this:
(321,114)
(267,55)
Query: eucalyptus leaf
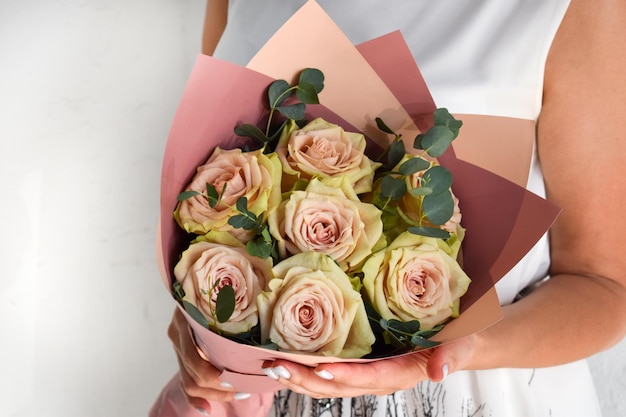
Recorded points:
(429,232)
(382,126)
(394,188)
(241,221)
(396,152)
(438,178)
(427,334)
(225,303)
(242,205)
(293,111)
(195,314)
(259,248)
(212,195)
(421,191)
(417,340)
(435,141)
(405,327)
(413,165)
(269,346)
(306,93)
(442,117)
(438,207)
(277,92)
(251,131)
(178,291)
(312,76)
(267,237)
(185,195)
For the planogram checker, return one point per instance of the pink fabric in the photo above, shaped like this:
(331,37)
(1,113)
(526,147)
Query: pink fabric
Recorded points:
(173,403)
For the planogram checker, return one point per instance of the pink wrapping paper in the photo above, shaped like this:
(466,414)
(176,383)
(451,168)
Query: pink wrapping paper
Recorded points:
(502,219)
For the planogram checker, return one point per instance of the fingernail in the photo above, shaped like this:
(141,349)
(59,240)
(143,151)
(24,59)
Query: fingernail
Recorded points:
(282,372)
(324,374)
(444,371)
(226,385)
(202,411)
(270,372)
(242,396)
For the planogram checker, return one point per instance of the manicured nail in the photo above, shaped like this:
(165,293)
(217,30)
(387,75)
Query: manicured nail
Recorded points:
(324,374)
(242,396)
(202,411)
(226,385)
(444,371)
(282,372)
(270,372)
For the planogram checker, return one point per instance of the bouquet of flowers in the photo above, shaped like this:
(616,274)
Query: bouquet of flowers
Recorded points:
(312,232)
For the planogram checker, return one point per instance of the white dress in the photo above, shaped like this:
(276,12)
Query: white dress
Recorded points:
(477,57)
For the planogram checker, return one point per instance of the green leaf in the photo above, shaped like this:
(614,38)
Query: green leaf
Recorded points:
(421,191)
(403,327)
(442,117)
(382,126)
(413,165)
(225,303)
(267,237)
(195,314)
(417,340)
(259,248)
(427,334)
(394,188)
(251,131)
(314,77)
(212,195)
(242,205)
(185,195)
(277,92)
(177,291)
(438,207)
(438,178)
(306,93)
(241,221)
(294,111)
(396,153)
(429,232)
(435,141)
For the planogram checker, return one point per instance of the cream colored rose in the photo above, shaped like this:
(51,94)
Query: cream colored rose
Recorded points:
(205,267)
(329,218)
(311,307)
(240,174)
(415,279)
(322,149)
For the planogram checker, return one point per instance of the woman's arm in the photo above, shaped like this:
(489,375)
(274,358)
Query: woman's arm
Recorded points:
(215,17)
(582,149)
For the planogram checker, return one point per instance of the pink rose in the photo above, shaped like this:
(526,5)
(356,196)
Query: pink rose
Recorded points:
(311,307)
(329,218)
(206,267)
(415,279)
(322,149)
(240,174)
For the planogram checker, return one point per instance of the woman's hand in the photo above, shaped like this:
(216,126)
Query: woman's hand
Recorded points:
(199,379)
(333,380)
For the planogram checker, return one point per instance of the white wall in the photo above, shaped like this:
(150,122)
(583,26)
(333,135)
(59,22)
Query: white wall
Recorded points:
(88,89)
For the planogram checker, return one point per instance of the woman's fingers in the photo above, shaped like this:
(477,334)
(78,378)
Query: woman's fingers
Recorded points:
(334,380)
(199,379)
